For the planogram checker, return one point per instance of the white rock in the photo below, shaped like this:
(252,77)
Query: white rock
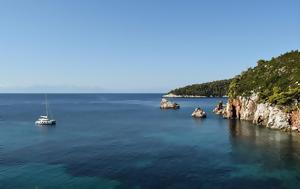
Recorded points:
(198,113)
(278,118)
(165,104)
(294,128)
(261,114)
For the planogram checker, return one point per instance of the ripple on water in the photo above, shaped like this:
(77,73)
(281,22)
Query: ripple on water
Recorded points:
(132,144)
(49,176)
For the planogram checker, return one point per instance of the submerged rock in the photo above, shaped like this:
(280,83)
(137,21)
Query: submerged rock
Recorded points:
(199,113)
(165,104)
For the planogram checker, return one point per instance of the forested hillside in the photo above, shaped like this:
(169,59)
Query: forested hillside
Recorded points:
(276,81)
(214,89)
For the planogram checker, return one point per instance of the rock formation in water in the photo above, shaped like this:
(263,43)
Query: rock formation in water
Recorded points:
(268,94)
(165,104)
(272,116)
(199,113)
(219,109)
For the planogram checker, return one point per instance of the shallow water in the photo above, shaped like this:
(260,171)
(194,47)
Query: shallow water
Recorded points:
(125,141)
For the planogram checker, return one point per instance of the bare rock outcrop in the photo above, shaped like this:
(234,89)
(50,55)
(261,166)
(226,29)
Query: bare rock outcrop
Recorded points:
(295,120)
(271,116)
(199,113)
(165,104)
(278,119)
(261,114)
(219,108)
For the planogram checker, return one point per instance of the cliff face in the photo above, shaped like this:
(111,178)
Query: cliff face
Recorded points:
(295,120)
(268,94)
(262,113)
(241,108)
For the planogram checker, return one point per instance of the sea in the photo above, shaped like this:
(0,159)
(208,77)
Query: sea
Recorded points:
(125,141)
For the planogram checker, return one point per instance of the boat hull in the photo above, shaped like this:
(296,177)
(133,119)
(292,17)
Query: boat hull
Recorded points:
(50,122)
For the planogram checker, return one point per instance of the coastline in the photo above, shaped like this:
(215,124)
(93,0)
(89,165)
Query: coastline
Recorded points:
(189,96)
(266,114)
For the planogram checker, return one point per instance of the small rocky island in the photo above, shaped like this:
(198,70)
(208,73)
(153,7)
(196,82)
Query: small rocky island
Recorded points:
(219,109)
(165,104)
(199,113)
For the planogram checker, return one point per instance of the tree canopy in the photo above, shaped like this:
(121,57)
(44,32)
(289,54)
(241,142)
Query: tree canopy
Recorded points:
(276,81)
(210,89)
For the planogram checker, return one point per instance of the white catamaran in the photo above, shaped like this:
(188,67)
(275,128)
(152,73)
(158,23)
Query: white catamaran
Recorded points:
(45,119)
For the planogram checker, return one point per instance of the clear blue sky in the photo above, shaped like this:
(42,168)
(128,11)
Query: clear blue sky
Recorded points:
(138,45)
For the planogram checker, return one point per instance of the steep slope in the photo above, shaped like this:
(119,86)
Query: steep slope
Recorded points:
(268,94)
(276,81)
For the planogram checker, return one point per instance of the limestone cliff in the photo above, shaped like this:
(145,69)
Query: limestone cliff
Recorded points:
(271,116)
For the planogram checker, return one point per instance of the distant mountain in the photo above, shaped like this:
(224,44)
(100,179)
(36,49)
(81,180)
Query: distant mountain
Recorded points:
(210,89)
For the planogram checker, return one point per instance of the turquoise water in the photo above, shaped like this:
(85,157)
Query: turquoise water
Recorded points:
(125,141)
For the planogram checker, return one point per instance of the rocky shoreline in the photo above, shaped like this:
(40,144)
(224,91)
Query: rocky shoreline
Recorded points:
(265,114)
(250,109)
(170,95)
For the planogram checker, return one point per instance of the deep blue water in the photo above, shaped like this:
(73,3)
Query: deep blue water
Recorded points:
(125,141)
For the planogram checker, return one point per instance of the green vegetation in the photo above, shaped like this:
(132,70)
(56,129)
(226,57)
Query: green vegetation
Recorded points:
(276,81)
(215,89)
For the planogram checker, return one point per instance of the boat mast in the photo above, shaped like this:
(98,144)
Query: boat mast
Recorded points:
(46,105)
